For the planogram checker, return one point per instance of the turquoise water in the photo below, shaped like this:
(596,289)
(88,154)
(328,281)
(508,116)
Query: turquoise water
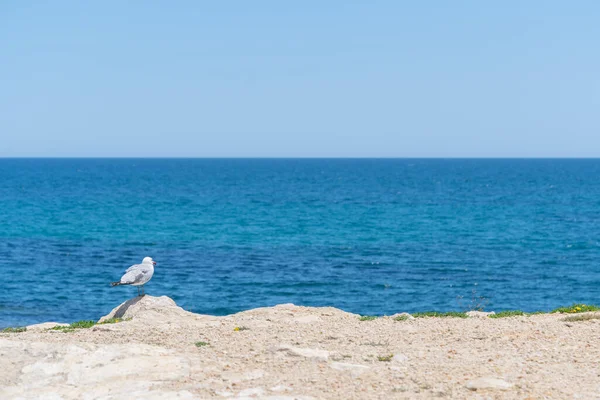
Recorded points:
(367,236)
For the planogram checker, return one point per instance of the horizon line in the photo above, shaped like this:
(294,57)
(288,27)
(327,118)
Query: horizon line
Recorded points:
(296,158)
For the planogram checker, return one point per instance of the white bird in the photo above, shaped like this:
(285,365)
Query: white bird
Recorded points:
(138,275)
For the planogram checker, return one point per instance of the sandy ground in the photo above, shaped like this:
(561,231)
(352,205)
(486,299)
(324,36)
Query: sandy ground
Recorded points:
(290,352)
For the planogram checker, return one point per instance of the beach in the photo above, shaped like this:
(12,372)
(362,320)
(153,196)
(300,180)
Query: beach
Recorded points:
(155,349)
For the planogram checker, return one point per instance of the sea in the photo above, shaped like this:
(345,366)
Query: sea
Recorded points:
(368,236)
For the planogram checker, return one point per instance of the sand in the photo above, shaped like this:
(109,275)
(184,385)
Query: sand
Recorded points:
(291,352)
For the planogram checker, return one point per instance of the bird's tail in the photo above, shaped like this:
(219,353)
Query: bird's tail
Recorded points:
(115,283)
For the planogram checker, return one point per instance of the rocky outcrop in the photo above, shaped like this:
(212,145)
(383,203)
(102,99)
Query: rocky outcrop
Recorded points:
(82,370)
(161,351)
(148,308)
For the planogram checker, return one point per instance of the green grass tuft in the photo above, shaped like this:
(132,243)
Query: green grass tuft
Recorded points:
(401,318)
(202,344)
(387,358)
(86,324)
(74,326)
(508,313)
(82,324)
(451,314)
(368,317)
(64,329)
(576,308)
(15,329)
(113,321)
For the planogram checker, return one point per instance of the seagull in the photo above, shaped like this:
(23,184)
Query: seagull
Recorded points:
(138,275)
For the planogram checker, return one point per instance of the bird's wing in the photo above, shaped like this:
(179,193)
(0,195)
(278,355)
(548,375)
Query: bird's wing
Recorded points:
(134,273)
(134,266)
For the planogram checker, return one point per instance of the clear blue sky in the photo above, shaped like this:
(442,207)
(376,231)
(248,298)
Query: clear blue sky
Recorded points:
(300,79)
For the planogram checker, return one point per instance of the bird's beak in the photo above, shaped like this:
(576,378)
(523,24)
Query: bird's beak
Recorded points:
(153,262)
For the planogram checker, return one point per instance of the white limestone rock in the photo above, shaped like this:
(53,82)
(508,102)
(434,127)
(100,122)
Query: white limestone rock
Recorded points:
(314,354)
(488,383)
(156,309)
(355,369)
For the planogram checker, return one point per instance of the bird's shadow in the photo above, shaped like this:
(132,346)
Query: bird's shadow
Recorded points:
(125,306)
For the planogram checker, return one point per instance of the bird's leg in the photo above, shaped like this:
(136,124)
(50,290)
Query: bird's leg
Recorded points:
(143,291)
(138,288)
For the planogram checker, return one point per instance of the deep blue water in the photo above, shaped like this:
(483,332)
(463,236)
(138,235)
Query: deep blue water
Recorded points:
(367,236)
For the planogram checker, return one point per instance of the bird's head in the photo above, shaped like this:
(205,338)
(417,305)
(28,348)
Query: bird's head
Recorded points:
(148,260)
